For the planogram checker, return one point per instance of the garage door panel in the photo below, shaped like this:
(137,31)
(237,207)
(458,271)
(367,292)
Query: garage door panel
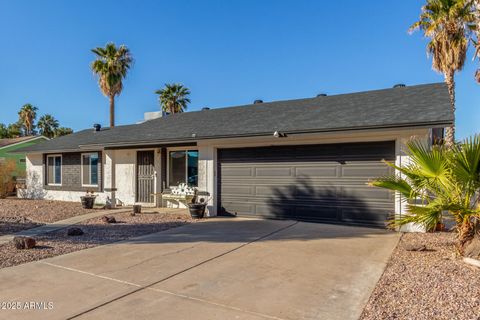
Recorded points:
(273,172)
(367,193)
(238,190)
(315,182)
(277,191)
(318,171)
(364,171)
(238,172)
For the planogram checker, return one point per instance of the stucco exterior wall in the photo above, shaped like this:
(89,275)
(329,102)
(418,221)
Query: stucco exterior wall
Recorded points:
(122,163)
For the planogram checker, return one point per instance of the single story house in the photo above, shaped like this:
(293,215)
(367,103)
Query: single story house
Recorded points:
(306,159)
(8,148)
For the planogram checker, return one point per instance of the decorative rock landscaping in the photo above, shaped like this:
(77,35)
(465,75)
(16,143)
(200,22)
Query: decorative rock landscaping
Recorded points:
(95,232)
(426,284)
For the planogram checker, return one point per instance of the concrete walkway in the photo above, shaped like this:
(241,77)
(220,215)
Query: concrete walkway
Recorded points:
(61,224)
(220,269)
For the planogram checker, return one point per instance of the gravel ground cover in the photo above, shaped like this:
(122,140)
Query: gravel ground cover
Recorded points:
(431,284)
(21,214)
(96,232)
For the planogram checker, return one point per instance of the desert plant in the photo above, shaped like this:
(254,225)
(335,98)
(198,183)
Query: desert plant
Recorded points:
(27,116)
(8,169)
(448,24)
(111,67)
(173,98)
(62,131)
(47,125)
(440,181)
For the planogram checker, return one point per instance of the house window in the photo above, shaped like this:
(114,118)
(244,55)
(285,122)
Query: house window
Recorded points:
(54,170)
(437,135)
(90,169)
(183,168)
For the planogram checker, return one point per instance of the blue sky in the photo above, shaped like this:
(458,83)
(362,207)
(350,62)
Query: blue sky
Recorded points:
(227,52)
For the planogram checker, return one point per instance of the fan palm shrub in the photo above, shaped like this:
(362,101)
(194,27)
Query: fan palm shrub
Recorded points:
(440,182)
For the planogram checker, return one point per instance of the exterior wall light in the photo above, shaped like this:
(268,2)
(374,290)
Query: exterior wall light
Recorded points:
(278,134)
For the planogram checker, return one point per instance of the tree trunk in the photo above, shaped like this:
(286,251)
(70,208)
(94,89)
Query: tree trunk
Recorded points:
(471,245)
(112,111)
(450,131)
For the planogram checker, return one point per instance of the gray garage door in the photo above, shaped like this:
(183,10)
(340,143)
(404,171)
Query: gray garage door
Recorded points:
(309,182)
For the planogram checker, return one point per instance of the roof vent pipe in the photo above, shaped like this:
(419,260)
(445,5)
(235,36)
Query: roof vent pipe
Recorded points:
(399,85)
(97,127)
(321,95)
(257,101)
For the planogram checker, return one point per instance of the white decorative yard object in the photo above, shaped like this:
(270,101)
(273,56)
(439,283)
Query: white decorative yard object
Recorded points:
(183,189)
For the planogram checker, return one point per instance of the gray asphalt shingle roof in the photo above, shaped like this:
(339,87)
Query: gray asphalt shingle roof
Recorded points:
(419,105)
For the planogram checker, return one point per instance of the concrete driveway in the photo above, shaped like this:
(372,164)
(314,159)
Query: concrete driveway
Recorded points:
(219,269)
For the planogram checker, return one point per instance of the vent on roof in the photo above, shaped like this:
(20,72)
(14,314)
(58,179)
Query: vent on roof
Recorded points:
(321,95)
(205,108)
(97,127)
(257,101)
(399,85)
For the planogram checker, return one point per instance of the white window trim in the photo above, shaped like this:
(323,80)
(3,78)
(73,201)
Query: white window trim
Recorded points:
(89,168)
(61,169)
(186,166)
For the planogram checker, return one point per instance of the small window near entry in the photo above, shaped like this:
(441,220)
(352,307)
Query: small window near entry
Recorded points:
(54,170)
(22,160)
(183,168)
(90,169)
(437,136)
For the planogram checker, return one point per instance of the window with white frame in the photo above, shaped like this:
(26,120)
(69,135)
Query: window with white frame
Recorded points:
(90,169)
(54,169)
(183,167)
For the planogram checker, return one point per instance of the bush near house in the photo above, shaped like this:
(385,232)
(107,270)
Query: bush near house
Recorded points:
(8,170)
(441,183)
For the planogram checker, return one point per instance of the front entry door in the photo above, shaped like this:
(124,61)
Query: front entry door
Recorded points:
(145,176)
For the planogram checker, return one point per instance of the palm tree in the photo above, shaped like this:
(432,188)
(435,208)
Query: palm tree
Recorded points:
(14,130)
(173,98)
(62,131)
(440,181)
(476,43)
(27,115)
(448,24)
(47,125)
(111,66)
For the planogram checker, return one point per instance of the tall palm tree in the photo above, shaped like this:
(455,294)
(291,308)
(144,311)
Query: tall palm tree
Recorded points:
(47,125)
(27,115)
(476,4)
(173,98)
(448,25)
(111,66)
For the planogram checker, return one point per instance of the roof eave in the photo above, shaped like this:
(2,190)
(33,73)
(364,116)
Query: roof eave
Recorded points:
(261,134)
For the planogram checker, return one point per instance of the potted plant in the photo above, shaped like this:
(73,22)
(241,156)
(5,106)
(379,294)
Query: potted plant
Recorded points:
(88,200)
(197,209)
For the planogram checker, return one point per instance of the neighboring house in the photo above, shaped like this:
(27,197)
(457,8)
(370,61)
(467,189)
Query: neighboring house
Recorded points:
(8,148)
(306,159)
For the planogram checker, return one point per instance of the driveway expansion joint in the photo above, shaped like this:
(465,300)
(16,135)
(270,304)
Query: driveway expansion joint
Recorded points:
(149,286)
